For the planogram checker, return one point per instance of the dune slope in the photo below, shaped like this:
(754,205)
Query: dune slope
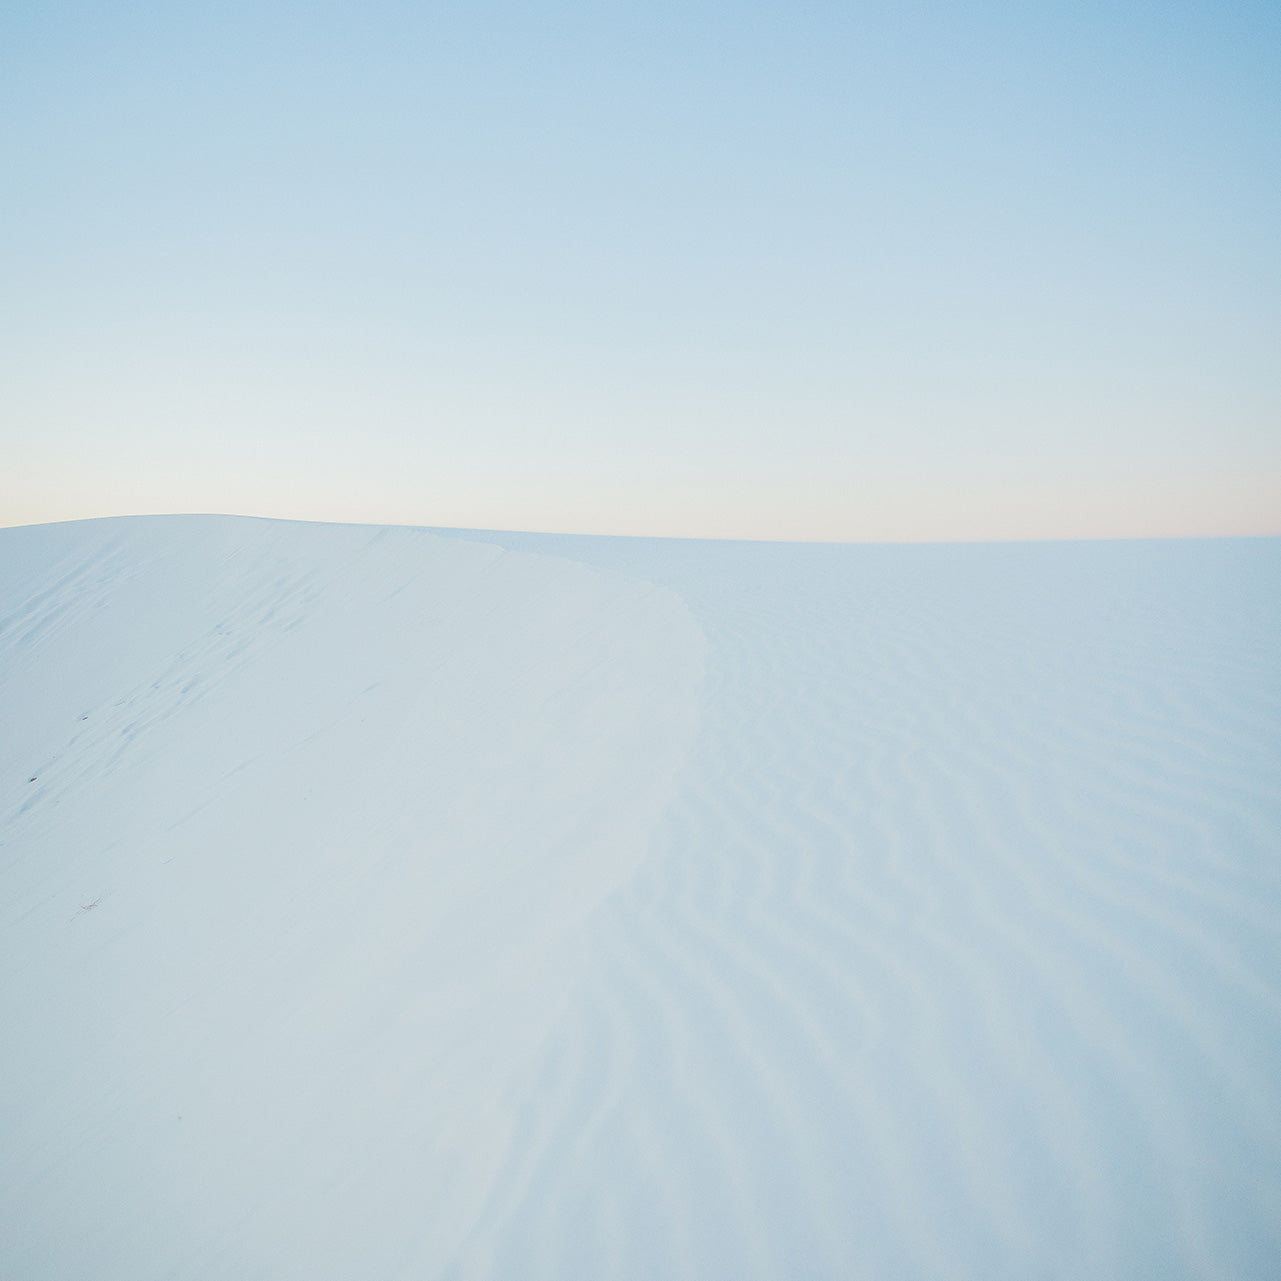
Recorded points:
(398,904)
(301,825)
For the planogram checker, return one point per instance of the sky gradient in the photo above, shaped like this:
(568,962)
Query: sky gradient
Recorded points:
(840,271)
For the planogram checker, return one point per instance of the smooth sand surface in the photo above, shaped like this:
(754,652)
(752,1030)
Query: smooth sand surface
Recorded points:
(413,904)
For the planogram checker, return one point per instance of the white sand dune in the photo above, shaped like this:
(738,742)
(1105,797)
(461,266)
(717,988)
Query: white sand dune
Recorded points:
(388,903)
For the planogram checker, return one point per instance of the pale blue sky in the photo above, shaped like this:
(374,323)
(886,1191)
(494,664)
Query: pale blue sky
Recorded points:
(815,270)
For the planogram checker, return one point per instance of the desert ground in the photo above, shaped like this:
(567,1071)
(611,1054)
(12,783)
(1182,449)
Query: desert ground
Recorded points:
(402,903)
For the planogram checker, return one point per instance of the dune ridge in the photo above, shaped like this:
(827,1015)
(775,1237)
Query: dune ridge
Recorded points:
(315,816)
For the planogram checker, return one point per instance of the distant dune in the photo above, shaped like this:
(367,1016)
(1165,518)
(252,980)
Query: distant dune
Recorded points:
(388,903)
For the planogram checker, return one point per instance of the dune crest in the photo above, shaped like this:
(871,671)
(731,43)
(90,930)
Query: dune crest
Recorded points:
(317,816)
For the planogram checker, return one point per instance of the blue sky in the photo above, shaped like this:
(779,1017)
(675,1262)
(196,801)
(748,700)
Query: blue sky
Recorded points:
(815,270)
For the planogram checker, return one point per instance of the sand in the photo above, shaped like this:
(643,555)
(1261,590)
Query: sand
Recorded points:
(404,903)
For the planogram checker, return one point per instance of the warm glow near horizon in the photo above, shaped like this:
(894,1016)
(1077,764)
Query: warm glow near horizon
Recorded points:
(1190,507)
(873,273)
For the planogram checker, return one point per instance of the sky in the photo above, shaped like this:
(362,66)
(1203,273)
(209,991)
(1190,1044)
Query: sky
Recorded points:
(903,271)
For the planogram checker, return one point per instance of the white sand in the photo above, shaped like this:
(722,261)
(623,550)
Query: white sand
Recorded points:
(391,905)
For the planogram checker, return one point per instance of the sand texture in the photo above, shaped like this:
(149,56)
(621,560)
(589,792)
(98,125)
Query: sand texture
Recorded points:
(416,904)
